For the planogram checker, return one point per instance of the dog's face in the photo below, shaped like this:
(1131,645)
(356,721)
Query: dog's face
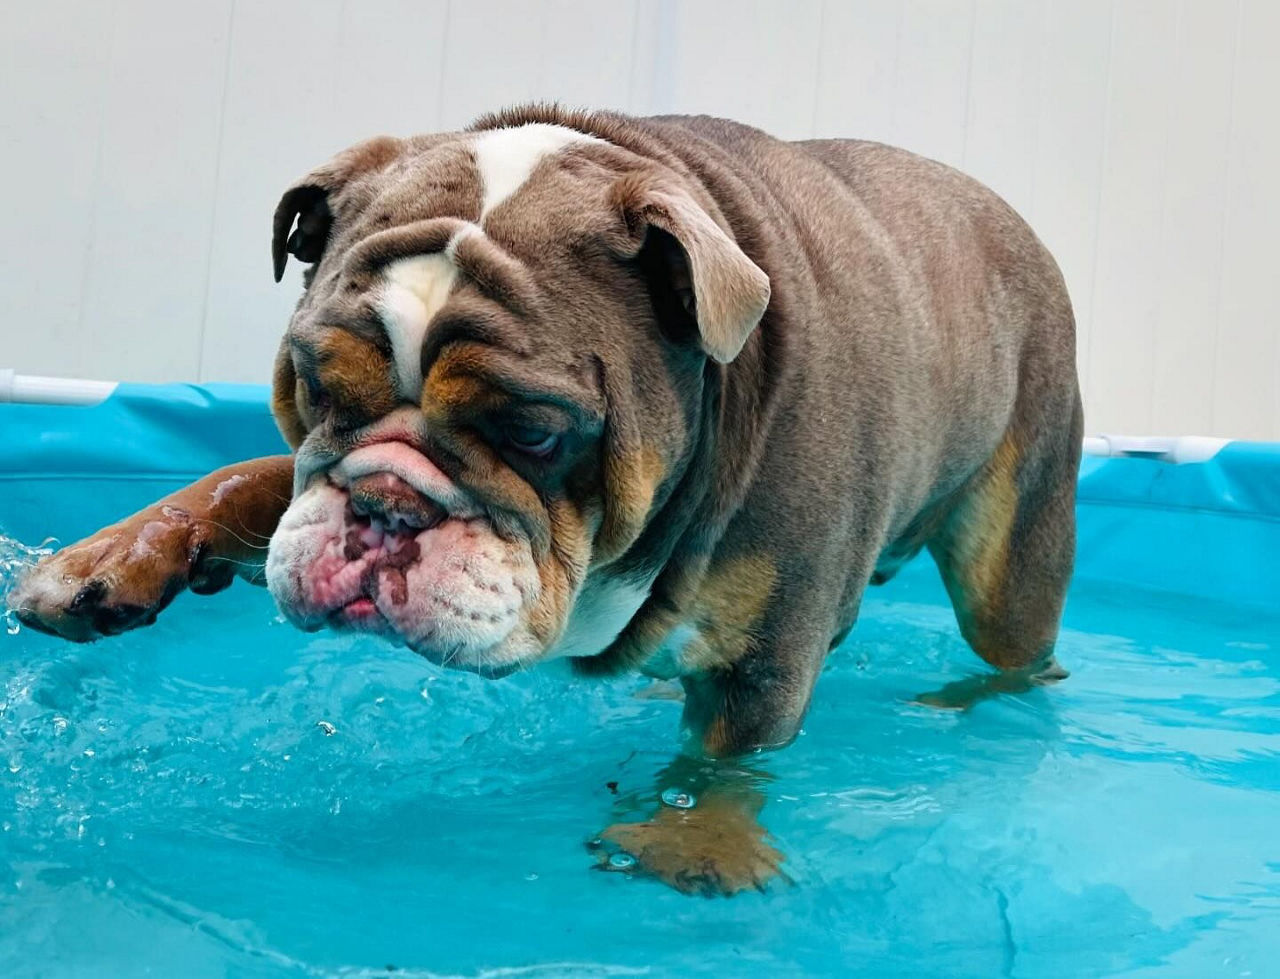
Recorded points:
(492,381)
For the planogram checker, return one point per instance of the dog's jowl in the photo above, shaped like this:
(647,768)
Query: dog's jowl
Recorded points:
(653,394)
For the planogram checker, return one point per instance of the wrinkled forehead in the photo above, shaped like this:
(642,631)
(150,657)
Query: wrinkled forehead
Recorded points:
(440,227)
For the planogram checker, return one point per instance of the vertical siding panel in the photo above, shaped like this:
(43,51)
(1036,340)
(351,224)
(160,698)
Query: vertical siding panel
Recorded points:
(387,68)
(1245,375)
(651,42)
(493,57)
(1126,299)
(54,60)
(587,53)
(152,215)
(763,73)
(278,122)
(1003,109)
(1191,237)
(153,140)
(932,79)
(858,62)
(1074,48)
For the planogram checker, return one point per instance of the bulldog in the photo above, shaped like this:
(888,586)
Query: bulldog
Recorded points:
(660,394)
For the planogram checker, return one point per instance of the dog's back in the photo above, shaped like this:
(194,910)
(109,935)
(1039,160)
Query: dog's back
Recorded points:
(923,351)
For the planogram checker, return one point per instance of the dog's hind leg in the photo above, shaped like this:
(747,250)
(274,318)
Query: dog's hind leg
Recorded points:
(1007,547)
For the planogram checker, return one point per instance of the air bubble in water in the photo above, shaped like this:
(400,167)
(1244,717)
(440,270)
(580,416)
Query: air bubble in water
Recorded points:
(622,861)
(679,798)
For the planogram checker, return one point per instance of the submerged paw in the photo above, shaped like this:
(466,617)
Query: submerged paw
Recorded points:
(711,852)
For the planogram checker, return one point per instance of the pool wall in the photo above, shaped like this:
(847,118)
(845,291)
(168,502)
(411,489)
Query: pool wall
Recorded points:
(1203,529)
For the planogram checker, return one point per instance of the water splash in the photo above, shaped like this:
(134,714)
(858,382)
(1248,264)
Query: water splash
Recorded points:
(15,559)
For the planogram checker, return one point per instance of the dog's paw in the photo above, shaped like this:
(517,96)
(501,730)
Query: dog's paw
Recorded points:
(961,695)
(712,850)
(118,579)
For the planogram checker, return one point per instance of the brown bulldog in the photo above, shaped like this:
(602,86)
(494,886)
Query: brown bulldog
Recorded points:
(661,394)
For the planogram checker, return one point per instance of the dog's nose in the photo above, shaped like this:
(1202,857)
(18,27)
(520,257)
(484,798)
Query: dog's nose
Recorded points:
(388,499)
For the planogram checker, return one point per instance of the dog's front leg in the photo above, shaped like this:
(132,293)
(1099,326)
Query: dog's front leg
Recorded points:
(200,537)
(704,835)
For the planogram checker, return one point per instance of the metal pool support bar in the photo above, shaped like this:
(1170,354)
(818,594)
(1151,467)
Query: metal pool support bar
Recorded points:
(34,389)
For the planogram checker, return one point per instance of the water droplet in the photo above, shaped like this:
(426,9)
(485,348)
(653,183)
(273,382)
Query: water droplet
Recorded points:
(88,752)
(59,725)
(11,623)
(15,764)
(530,876)
(679,798)
(328,729)
(622,861)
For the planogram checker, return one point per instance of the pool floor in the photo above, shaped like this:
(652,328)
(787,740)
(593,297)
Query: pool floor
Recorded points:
(170,805)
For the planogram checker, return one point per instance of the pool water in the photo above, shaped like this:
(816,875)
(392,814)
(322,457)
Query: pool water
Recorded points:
(222,795)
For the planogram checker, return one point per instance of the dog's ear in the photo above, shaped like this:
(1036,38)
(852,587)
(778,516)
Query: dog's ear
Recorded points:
(311,201)
(716,284)
(309,204)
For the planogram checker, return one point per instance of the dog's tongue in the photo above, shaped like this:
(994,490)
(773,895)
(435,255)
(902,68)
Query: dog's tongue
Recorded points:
(388,499)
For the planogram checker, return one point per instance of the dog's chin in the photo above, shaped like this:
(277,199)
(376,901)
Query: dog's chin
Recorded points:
(455,593)
(493,663)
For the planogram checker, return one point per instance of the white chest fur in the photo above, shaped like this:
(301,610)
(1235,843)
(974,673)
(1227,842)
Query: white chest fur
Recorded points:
(601,612)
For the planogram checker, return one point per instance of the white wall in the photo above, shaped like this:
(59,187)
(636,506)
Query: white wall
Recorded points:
(145,143)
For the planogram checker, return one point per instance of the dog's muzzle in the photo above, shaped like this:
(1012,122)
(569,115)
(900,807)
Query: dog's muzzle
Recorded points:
(385,542)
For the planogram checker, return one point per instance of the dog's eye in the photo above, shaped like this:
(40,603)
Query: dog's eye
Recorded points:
(532,440)
(319,399)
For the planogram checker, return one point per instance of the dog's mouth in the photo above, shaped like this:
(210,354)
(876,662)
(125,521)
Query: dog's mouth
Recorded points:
(385,543)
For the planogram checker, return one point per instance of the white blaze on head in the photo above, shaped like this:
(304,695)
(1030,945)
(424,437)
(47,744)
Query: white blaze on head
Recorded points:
(415,289)
(506,157)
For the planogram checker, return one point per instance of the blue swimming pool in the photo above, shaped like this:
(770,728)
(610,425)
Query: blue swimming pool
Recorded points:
(222,795)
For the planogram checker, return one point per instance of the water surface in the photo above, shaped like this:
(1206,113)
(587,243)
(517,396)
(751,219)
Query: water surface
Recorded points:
(221,795)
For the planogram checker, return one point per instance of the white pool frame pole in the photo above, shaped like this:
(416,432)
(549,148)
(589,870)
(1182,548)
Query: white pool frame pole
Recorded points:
(1177,448)
(37,390)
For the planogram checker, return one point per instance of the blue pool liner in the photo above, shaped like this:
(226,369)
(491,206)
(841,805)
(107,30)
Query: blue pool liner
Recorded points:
(1207,530)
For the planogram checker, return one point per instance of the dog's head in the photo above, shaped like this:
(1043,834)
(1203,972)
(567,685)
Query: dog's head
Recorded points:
(492,382)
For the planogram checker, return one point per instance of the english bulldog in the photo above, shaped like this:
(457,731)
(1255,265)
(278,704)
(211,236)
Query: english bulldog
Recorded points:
(660,394)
